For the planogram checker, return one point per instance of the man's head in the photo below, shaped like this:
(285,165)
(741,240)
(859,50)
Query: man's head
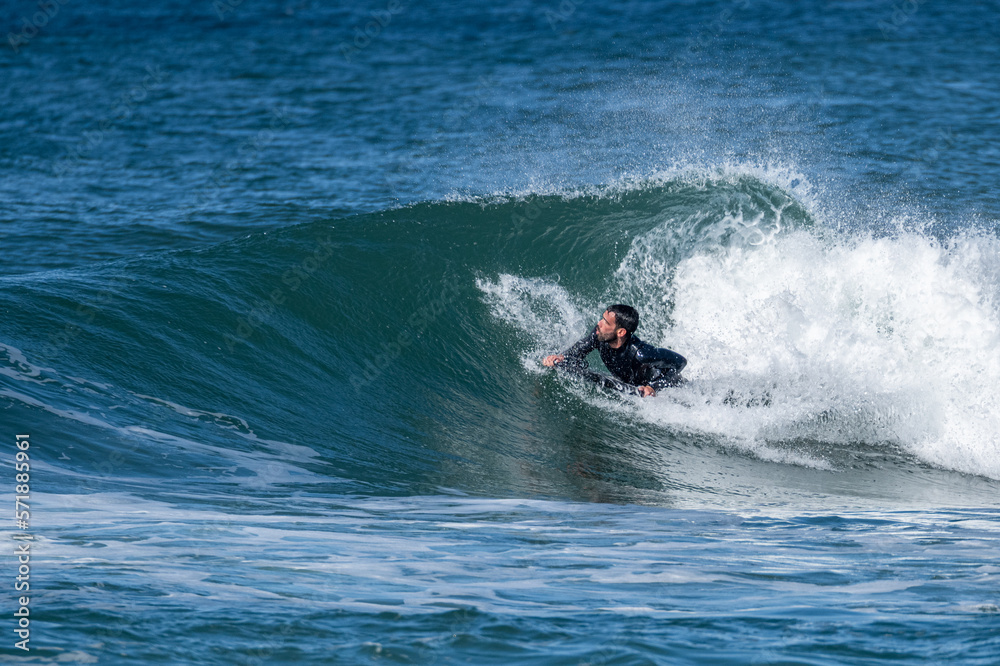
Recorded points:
(618,321)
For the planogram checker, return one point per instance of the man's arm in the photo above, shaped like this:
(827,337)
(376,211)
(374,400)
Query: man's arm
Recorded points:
(662,367)
(577,353)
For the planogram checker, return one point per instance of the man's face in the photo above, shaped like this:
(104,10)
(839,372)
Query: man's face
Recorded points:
(606,329)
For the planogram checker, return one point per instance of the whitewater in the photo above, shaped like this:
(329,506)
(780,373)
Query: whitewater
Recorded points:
(855,339)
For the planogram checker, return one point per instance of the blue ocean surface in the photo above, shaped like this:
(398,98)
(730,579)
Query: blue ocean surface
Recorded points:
(278,277)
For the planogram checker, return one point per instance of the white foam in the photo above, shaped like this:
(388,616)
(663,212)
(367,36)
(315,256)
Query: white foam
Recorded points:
(809,337)
(888,339)
(540,307)
(411,555)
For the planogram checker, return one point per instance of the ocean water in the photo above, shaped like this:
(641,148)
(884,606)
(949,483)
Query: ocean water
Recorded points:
(278,277)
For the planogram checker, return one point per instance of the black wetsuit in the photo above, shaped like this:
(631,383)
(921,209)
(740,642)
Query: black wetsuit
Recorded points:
(635,363)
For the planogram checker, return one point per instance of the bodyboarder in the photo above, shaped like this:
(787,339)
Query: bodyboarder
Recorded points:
(639,367)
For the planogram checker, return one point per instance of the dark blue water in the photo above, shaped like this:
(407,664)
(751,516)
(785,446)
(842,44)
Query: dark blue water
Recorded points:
(278,277)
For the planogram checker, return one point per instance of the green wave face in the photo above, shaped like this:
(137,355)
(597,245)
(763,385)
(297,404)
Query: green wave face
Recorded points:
(402,346)
(361,330)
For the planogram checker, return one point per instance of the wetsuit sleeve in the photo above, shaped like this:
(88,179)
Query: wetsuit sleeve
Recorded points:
(577,354)
(661,367)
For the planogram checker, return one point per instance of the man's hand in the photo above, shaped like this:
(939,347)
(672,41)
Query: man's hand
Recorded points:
(646,391)
(552,360)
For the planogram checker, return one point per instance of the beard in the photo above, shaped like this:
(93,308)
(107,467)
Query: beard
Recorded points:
(606,337)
